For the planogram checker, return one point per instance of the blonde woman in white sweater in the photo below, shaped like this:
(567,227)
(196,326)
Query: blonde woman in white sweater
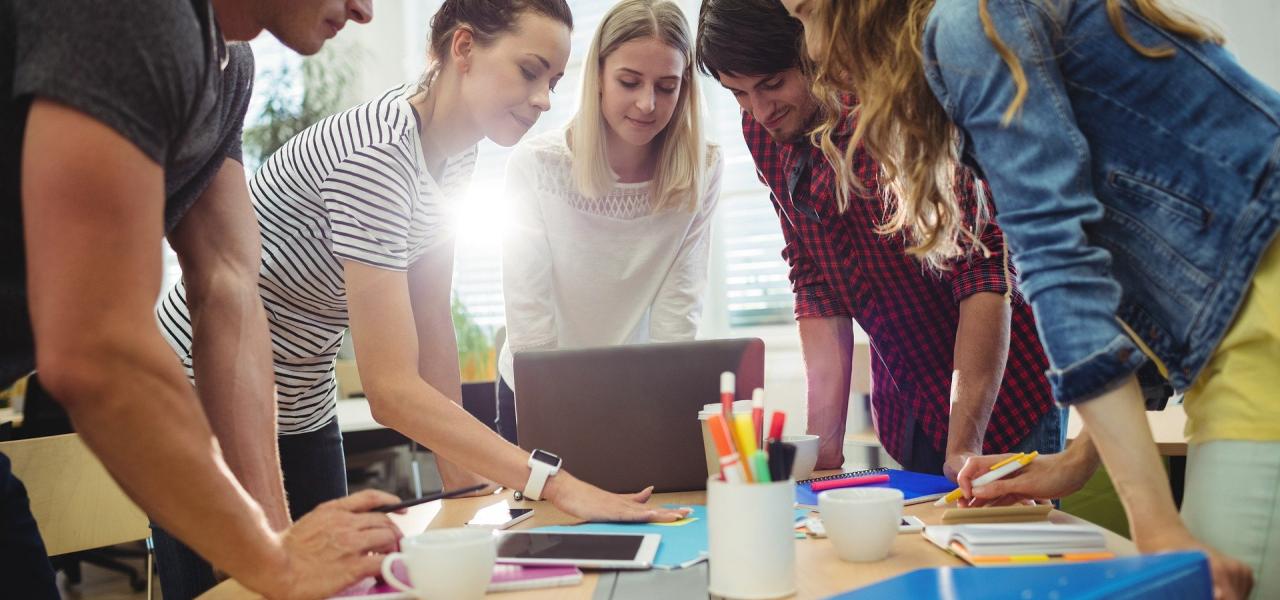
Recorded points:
(610,217)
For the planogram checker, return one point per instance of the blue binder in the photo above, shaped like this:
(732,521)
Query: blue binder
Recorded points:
(1177,576)
(916,487)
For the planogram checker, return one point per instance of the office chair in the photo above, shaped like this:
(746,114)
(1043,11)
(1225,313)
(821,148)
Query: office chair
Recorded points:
(76,504)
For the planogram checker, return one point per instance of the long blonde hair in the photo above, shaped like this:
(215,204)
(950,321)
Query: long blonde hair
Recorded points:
(677,180)
(875,48)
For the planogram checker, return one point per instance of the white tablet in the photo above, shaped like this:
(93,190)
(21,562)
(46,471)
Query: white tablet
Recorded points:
(583,550)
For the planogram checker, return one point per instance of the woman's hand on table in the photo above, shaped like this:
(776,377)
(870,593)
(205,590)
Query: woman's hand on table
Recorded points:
(1049,476)
(330,548)
(586,501)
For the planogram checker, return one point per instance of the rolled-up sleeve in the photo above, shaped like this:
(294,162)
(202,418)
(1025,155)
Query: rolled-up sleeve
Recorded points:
(982,271)
(1038,168)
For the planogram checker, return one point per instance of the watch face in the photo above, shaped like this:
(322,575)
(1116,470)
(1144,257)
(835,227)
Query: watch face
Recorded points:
(546,457)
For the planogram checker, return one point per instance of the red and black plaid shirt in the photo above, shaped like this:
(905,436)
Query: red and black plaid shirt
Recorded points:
(841,267)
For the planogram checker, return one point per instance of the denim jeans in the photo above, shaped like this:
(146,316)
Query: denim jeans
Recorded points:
(505,423)
(24,564)
(314,470)
(1048,436)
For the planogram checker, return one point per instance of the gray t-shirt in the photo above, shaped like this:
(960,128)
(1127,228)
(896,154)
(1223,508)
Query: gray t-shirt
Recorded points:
(152,70)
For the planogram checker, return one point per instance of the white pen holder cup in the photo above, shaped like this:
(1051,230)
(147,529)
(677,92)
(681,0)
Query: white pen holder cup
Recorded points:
(751,530)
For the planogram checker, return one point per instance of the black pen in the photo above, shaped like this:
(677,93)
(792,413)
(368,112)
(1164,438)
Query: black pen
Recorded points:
(430,498)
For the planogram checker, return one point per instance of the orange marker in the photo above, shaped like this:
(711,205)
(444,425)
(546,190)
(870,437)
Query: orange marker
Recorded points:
(730,466)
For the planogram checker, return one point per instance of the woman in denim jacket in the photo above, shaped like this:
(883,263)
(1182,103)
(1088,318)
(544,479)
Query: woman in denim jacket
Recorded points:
(1135,167)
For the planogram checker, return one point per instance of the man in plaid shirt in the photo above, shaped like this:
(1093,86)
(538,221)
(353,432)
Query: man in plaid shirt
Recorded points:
(957,369)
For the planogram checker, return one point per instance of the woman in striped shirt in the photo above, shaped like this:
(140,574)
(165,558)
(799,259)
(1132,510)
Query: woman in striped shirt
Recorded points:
(353,213)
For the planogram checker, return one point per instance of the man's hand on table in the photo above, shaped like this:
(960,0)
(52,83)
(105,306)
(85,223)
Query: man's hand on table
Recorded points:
(955,462)
(586,501)
(330,548)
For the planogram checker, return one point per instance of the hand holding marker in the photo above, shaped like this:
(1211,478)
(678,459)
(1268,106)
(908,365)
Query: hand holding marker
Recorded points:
(998,470)
(739,440)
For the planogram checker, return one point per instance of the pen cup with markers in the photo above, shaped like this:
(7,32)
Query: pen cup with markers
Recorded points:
(741,407)
(751,530)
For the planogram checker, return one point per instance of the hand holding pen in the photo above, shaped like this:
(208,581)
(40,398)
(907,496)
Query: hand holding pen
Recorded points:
(1007,466)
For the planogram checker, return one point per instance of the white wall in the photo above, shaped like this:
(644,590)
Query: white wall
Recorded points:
(1252,28)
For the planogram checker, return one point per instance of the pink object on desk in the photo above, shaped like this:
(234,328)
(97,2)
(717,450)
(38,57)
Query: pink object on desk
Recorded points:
(505,578)
(831,484)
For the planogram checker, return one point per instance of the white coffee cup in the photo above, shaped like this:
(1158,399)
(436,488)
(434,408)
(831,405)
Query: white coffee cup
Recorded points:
(445,564)
(806,455)
(861,522)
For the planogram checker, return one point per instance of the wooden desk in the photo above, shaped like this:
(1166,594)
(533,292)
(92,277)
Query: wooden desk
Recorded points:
(819,573)
(1167,427)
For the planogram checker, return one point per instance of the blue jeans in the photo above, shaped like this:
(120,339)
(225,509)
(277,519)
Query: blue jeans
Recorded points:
(1049,436)
(505,422)
(315,471)
(24,565)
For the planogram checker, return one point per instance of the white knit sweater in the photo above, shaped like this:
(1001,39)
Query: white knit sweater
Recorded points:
(582,272)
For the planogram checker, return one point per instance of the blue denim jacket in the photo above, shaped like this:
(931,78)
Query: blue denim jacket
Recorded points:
(1131,189)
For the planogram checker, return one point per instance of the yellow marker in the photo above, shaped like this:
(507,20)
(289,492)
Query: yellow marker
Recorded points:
(744,435)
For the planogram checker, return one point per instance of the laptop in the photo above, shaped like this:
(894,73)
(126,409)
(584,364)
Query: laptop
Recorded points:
(626,417)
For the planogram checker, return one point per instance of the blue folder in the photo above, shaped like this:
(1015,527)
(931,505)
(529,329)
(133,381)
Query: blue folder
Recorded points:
(681,546)
(1178,576)
(916,487)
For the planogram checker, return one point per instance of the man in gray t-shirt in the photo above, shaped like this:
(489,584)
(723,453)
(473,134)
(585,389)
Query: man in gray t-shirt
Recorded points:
(119,124)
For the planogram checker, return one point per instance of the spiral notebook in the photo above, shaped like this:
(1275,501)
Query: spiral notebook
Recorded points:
(915,487)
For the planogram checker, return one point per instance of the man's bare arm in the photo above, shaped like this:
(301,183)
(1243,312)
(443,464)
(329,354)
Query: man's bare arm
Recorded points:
(827,346)
(219,248)
(92,216)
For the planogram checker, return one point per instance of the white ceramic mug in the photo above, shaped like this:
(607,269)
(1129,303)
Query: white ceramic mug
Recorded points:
(445,564)
(861,522)
(806,455)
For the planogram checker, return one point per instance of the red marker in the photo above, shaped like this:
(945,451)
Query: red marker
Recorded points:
(728,386)
(775,425)
(757,415)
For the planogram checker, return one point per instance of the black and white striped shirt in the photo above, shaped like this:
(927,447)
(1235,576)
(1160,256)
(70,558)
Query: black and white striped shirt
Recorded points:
(351,187)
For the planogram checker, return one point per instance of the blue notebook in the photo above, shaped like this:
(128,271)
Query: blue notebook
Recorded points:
(1178,576)
(916,487)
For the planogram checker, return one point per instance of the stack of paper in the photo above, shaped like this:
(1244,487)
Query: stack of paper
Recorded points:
(1020,542)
